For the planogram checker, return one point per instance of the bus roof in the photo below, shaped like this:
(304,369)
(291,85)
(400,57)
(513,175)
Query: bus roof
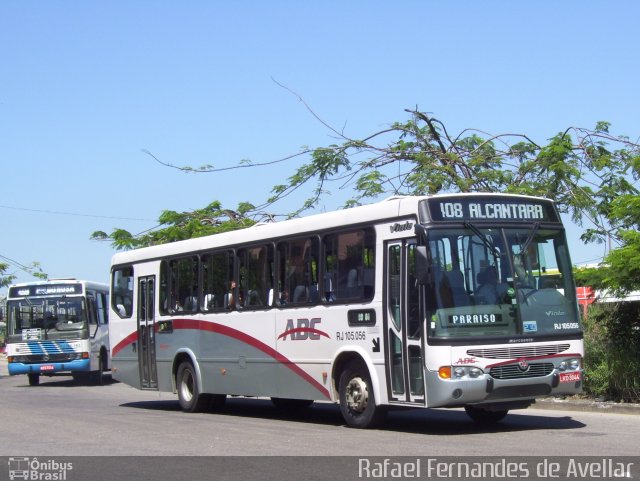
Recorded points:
(389,209)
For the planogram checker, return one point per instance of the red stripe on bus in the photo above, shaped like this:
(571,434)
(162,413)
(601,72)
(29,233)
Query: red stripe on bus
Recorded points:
(235,334)
(533,358)
(131,338)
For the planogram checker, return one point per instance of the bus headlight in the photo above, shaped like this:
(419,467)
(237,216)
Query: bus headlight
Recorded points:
(569,365)
(459,372)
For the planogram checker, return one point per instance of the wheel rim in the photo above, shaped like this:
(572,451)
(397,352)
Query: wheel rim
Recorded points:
(186,385)
(357,395)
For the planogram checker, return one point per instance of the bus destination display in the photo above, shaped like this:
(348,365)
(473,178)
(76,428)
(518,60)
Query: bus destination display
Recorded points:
(45,290)
(490,208)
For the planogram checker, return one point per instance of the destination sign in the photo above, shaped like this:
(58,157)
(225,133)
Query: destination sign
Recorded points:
(45,290)
(490,208)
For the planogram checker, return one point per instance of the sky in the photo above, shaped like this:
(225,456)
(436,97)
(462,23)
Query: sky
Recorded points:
(87,86)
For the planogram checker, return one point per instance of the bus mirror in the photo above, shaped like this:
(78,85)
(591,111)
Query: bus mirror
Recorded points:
(422,261)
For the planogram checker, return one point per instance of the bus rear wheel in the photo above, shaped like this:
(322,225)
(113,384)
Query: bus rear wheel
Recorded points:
(189,396)
(357,402)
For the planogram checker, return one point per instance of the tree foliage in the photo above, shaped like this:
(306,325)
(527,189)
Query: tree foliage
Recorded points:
(176,226)
(583,170)
(590,173)
(7,278)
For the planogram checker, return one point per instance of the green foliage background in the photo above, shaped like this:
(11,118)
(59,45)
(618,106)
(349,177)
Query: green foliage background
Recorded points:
(612,351)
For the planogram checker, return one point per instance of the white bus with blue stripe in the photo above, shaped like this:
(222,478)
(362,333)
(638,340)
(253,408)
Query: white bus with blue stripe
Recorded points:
(58,326)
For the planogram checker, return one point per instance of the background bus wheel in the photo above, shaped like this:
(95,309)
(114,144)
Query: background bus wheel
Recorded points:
(357,402)
(98,376)
(291,404)
(189,396)
(34,379)
(484,416)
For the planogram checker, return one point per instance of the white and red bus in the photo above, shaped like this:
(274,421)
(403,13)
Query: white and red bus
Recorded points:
(410,302)
(58,326)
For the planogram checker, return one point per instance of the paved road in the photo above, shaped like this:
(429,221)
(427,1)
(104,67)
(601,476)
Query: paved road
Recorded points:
(62,418)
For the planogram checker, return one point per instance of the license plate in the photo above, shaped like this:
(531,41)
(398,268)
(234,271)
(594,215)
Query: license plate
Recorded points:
(569,376)
(47,367)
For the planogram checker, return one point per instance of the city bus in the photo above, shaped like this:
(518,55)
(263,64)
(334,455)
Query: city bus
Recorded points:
(58,326)
(412,302)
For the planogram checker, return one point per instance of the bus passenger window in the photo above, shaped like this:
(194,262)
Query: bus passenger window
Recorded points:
(298,271)
(217,274)
(349,261)
(256,277)
(182,285)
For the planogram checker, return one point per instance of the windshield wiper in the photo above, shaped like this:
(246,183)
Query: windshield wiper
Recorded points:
(529,240)
(483,238)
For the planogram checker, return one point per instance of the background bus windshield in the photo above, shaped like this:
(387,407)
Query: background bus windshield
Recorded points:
(45,318)
(494,282)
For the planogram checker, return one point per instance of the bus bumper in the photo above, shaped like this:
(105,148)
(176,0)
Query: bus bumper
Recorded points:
(487,390)
(49,368)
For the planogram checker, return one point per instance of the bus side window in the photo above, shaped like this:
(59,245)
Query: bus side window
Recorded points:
(179,281)
(122,291)
(101,304)
(349,262)
(298,271)
(92,309)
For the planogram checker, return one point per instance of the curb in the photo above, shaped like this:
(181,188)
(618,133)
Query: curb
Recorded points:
(585,405)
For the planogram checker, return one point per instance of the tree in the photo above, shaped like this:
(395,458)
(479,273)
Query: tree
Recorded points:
(620,271)
(175,226)
(590,173)
(6,278)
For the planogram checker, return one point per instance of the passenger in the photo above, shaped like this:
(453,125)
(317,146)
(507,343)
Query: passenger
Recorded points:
(487,292)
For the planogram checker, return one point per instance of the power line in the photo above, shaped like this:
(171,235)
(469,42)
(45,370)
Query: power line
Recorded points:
(15,263)
(33,270)
(41,211)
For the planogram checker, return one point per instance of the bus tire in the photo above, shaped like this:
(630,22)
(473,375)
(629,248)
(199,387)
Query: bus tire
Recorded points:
(484,416)
(34,379)
(189,396)
(98,376)
(357,401)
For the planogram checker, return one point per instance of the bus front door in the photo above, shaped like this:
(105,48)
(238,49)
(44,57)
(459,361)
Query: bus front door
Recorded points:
(403,326)
(147,333)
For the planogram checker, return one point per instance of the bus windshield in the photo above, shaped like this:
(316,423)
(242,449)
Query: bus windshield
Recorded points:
(46,318)
(500,282)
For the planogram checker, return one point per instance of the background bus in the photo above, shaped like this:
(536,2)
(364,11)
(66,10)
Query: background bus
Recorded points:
(410,302)
(58,326)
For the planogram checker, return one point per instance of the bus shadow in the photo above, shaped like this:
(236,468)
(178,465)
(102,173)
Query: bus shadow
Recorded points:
(456,422)
(410,421)
(68,381)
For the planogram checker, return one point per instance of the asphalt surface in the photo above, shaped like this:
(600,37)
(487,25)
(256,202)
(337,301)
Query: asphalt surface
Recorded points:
(560,404)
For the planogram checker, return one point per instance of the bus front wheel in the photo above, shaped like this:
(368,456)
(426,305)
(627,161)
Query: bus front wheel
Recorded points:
(189,396)
(34,379)
(484,416)
(357,402)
